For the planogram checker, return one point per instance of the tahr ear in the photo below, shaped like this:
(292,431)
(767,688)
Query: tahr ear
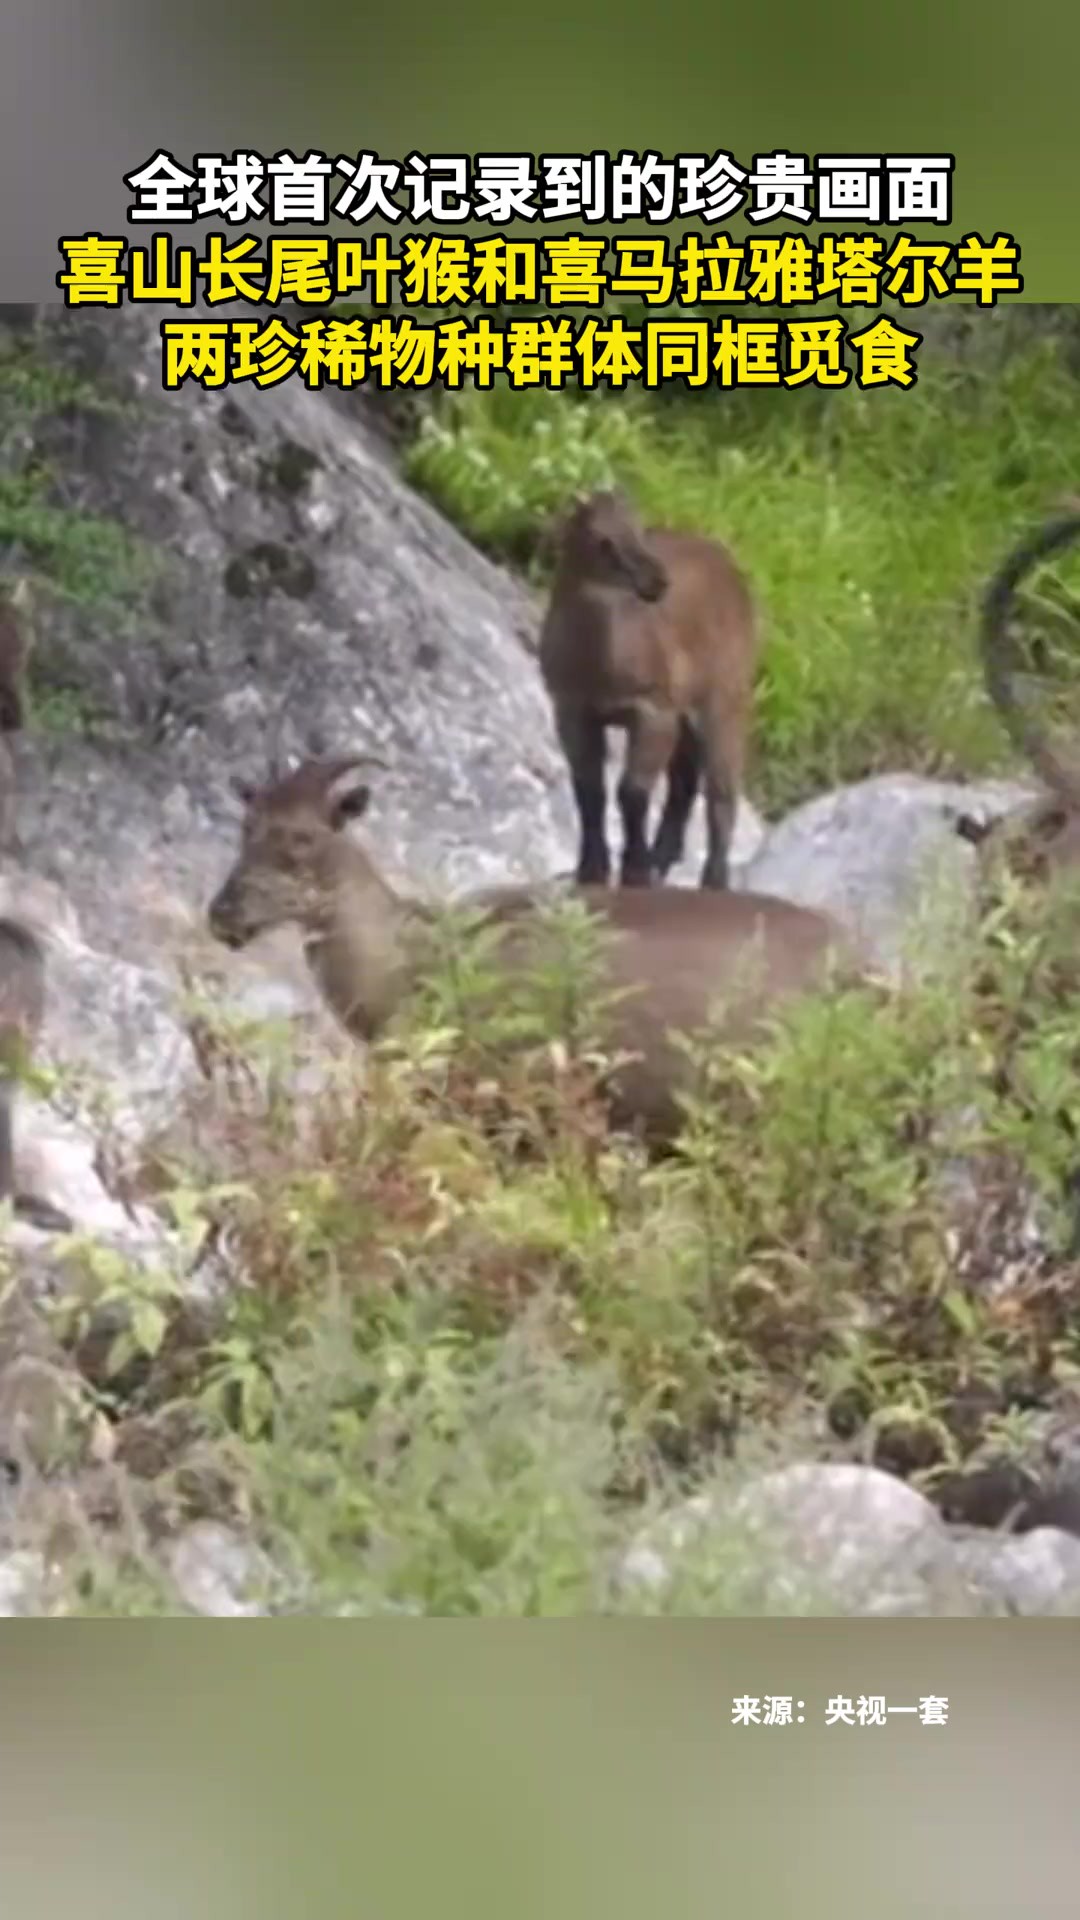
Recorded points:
(347,799)
(559,525)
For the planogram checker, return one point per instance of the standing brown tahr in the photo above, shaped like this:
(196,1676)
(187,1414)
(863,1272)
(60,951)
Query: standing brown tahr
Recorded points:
(654,632)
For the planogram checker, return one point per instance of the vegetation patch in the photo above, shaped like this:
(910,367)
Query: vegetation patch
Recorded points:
(478,1340)
(868,522)
(89,559)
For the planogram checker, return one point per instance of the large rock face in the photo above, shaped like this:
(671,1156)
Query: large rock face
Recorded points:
(304,585)
(301,588)
(299,566)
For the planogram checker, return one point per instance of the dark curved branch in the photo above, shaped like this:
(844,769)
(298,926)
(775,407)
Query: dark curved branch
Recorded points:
(999,660)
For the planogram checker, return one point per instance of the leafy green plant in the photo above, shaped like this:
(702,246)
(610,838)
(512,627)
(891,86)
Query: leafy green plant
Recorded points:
(138,1297)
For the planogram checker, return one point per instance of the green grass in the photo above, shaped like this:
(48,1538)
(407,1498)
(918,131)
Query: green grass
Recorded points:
(479,1343)
(868,523)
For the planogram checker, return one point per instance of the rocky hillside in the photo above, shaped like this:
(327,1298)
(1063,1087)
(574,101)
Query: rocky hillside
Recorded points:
(297,585)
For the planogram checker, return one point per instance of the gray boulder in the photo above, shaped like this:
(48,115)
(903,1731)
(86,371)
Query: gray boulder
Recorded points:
(885,857)
(834,1536)
(844,1538)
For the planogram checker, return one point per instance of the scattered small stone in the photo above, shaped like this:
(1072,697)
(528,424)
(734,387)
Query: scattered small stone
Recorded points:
(1025,1573)
(214,1571)
(22,1583)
